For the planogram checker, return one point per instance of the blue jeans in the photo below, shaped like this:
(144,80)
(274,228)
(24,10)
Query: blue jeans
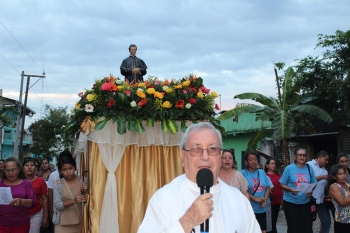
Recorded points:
(325,217)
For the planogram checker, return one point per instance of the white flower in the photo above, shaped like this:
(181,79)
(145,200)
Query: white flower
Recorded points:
(165,87)
(140,89)
(188,105)
(89,108)
(133,104)
(118,81)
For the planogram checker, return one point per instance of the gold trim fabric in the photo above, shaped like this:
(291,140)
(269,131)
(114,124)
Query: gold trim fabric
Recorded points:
(141,172)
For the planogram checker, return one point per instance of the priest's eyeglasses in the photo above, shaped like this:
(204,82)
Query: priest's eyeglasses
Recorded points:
(197,151)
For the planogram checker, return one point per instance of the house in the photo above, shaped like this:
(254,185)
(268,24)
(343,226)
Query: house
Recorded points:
(239,130)
(8,132)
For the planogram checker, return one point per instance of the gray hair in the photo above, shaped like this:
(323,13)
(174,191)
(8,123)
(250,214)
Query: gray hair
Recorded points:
(195,127)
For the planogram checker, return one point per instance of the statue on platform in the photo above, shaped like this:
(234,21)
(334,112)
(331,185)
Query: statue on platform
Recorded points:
(132,67)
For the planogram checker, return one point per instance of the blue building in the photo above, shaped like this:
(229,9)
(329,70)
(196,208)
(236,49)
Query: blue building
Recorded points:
(8,132)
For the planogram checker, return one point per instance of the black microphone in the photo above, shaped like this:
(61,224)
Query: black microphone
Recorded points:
(205,180)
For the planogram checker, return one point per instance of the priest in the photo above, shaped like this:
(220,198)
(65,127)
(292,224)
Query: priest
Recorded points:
(178,207)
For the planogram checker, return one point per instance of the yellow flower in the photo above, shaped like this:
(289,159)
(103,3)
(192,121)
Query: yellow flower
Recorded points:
(141,85)
(214,94)
(90,97)
(169,90)
(166,104)
(150,91)
(77,105)
(200,94)
(120,88)
(158,95)
(141,94)
(186,83)
(178,86)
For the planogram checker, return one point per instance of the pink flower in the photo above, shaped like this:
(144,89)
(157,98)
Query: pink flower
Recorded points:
(127,92)
(156,81)
(204,89)
(106,87)
(81,94)
(184,91)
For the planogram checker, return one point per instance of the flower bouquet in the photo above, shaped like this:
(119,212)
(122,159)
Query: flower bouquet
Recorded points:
(131,104)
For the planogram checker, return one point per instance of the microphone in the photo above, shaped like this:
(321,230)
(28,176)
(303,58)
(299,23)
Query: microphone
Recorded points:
(205,180)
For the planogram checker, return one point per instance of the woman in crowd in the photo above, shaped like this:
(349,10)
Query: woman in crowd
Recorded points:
(68,198)
(45,170)
(258,188)
(297,204)
(340,193)
(39,214)
(230,175)
(276,193)
(14,217)
(343,160)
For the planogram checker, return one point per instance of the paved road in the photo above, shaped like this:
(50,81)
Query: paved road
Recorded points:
(282,224)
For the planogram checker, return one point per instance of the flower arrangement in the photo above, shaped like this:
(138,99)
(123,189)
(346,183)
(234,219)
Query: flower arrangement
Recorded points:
(131,104)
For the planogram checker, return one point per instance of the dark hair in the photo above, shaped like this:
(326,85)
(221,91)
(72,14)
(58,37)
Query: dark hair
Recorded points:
(28,160)
(66,160)
(268,161)
(65,153)
(296,153)
(321,153)
(2,160)
(233,157)
(340,156)
(249,153)
(21,173)
(46,160)
(333,172)
(132,45)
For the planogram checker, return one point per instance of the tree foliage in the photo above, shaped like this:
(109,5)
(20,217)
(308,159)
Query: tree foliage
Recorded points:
(48,131)
(326,78)
(288,114)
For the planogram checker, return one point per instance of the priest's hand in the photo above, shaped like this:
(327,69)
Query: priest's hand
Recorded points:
(200,210)
(136,70)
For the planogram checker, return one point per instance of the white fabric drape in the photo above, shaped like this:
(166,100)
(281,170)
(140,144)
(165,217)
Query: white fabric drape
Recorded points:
(112,146)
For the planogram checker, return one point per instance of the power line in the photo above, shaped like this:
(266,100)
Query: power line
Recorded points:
(10,63)
(20,45)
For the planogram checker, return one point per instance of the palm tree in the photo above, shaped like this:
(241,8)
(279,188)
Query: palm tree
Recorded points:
(288,114)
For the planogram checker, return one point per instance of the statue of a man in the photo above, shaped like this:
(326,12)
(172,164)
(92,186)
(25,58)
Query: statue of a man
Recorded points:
(132,67)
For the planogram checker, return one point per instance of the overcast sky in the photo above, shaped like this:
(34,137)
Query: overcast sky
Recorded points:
(230,44)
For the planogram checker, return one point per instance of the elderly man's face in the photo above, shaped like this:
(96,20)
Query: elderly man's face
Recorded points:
(202,138)
(132,51)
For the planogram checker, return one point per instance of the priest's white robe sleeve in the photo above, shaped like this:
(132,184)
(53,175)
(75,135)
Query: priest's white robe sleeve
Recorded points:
(157,219)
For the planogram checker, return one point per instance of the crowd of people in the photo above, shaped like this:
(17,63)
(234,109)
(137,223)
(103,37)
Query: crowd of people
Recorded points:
(43,199)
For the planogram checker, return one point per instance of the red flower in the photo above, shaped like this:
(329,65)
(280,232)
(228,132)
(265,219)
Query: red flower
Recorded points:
(180,104)
(142,102)
(184,91)
(110,103)
(192,100)
(204,89)
(217,107)
(127,92)
(194,90)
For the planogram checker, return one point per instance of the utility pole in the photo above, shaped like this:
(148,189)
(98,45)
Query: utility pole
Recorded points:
(20,155)
(15,149)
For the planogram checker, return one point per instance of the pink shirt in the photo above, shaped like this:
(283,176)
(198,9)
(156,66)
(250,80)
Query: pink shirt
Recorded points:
(11,216)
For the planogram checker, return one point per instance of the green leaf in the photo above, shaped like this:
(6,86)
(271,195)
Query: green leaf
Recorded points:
(315,111)
(264,100)
(172,126)
(121,126)
(199,82)
(164,125)
(239,111)
(183,126)
(138,126)
(150,122)
(100,125)
(131,125)
(253,142)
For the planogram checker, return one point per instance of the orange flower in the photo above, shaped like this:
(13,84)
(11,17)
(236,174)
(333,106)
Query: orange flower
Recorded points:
(180,104)
(166,82)
(142,102)
(141,94)
(158,95)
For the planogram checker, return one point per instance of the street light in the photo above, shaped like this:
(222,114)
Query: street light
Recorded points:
(23,114)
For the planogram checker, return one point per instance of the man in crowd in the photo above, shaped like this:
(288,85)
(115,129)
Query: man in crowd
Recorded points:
(132,67)
(179,207)
(318,165)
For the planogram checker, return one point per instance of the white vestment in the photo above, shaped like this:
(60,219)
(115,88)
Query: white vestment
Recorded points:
(232,211)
